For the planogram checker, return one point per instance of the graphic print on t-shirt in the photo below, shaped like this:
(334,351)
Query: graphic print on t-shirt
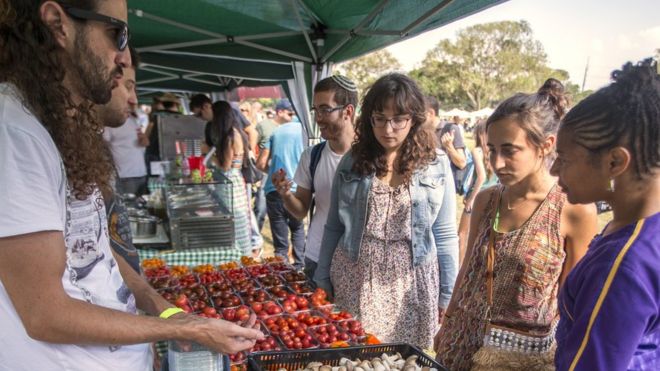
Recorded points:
(82,236)
(86,231)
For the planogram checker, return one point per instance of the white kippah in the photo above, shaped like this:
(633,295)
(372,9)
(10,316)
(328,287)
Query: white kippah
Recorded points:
(344,83)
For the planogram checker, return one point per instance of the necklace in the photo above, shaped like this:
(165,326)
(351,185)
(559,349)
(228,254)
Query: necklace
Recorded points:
(508,204)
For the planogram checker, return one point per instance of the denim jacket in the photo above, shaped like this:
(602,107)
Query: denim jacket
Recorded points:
(433,220)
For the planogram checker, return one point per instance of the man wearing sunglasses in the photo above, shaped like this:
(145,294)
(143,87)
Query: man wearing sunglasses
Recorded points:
(65,301)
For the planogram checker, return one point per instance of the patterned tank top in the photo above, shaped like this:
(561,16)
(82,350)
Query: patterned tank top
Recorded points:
(528,264)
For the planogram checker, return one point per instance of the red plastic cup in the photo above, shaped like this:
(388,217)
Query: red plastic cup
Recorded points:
(197,163)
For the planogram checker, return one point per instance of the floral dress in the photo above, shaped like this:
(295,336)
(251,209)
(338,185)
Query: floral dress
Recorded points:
(394,300)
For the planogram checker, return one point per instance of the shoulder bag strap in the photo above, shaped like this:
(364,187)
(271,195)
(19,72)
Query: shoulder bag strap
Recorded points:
(490,262)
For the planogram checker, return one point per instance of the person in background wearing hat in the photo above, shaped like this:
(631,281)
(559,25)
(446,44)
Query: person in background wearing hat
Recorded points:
(283,150)
(171,105)
(156,105)
(334,102)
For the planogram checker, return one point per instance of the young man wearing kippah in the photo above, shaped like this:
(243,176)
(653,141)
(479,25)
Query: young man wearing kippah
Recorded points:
(334,103)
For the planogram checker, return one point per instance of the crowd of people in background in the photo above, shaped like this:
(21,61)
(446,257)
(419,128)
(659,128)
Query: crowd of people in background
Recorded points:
(517,282)
(380,191)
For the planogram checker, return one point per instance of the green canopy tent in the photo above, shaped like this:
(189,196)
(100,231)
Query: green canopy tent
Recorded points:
(208,45)
(189,72)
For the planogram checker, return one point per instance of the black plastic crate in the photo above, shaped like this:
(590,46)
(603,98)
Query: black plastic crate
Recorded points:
(298,359)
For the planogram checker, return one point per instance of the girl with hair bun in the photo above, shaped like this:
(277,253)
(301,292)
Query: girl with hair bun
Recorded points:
(523,240)
(609,150)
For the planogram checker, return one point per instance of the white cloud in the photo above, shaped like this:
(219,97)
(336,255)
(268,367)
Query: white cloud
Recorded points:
(597,45)
(625,42)
(651,35)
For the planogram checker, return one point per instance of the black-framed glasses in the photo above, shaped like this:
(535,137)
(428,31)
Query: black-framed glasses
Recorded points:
(122,33)
(325,111)
(397,122)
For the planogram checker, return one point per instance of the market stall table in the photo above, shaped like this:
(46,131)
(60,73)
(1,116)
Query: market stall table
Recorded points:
(291,312)
(191,257)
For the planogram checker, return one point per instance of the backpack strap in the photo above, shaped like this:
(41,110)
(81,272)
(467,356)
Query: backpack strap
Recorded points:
(314,159)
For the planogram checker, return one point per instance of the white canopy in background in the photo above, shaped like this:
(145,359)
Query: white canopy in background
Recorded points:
(455,112)
(484,112)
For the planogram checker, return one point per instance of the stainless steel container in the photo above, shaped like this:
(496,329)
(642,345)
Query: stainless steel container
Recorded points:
(201,215)
(143,226)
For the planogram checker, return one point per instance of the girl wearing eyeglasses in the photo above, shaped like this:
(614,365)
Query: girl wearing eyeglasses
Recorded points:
(392,220)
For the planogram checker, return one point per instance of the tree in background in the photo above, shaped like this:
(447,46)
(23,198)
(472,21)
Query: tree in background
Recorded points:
(485,64)
(365,70)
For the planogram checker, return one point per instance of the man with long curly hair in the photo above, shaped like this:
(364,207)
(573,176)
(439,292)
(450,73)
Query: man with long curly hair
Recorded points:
(65,301)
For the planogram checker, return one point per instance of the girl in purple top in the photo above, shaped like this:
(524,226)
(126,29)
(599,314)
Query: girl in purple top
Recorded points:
(609,150)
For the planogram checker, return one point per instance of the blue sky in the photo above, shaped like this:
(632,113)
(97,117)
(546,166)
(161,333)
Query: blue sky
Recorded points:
(607,32)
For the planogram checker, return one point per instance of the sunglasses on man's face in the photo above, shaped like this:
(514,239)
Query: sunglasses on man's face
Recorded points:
(122,33)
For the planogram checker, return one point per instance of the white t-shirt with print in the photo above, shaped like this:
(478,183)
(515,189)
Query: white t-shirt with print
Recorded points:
(34,197)
(325,172)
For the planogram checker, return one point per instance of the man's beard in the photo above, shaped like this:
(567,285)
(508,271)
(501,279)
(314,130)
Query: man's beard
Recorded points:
(111,116)
(94,81)
(332,129)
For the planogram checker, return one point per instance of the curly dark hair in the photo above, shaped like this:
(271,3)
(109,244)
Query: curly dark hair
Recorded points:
(418,149)
(624,113)
(33,62)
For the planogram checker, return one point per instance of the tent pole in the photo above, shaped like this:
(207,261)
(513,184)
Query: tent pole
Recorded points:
(309,12)
(363,23)
(266,35)
(177,69)
(184,26)
(147,89)
(192,78)
(296,11)
(221,40)
(274,51)
(218,56)
(181,45)
(158,79)
(366,32)
(426,16)
(146,67)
